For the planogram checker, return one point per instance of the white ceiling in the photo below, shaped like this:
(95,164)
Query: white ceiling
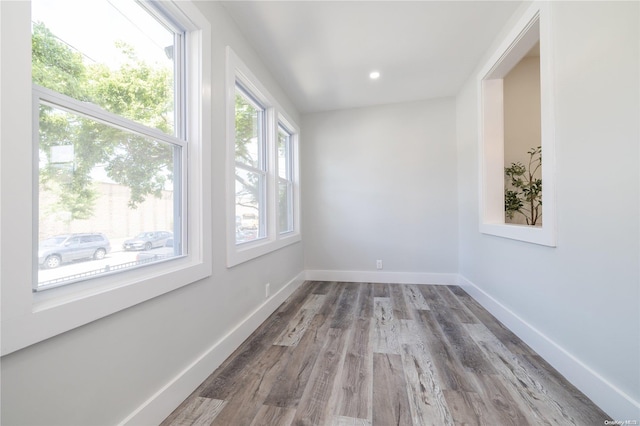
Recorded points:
(321,52)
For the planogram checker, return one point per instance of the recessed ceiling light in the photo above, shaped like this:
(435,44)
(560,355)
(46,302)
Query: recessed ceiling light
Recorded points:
(374,75)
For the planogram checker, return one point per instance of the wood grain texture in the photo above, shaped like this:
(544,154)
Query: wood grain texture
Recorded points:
(462,345)
(350,421)
(198,412)
(499,406)
(466,408)
(506,336)
(354,391)
(365,302)
(299,323)
(385,327)
(243,359)
(292,379)
(427,402)
(380,290)
(248,396)
(269,415)
(343,317)
(531,394)
(399,304)
(455,307)
(384,354)
(390,399)
(314,407)
(448,369)
(322,287)
(415,299)
(575,404)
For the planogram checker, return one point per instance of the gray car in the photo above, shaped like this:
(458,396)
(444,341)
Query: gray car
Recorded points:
(54,251)
(147,240)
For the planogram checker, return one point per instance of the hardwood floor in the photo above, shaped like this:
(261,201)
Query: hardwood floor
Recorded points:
(384,354)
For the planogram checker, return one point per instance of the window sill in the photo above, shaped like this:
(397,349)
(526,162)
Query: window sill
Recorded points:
(62,309)
(245,252)
(530,234)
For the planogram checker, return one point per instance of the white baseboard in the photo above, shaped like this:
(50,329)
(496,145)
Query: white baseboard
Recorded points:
(607,396)
(383,277)
(155,409)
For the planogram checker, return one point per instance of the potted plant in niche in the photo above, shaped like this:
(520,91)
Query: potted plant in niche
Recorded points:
(523,189)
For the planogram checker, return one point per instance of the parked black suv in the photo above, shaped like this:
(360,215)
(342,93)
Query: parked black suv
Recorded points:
(69,247)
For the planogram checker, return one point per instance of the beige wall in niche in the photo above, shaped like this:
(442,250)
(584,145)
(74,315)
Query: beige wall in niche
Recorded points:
(522,114)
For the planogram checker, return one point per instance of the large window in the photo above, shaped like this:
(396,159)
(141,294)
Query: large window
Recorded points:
(264,213)
(110,140)
(109,205)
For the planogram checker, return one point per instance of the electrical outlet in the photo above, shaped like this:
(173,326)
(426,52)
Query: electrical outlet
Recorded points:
(267,290)
(378,264)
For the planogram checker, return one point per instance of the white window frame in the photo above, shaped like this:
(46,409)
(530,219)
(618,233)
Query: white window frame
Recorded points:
(262,168)
(236,72)
(28,317)
(534,25)
(290,172)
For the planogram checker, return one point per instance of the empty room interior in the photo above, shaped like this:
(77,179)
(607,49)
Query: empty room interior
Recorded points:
(319,212)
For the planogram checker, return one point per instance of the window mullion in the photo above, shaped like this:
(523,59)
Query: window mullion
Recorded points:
(96,113)
(250,168)
(271,144)
(180,70)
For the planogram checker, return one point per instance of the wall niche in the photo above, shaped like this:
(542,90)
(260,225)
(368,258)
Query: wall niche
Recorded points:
(517,190)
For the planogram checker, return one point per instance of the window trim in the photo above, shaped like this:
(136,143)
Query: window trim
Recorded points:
(237,71)
(290,180)
(28,317)
(262,168)
(513,47)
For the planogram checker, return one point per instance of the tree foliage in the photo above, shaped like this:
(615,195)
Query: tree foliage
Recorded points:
(136,90)
(246,121)
(55,65)
(523,190)
(247,151)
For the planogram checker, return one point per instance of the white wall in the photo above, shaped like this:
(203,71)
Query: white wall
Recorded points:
(380,183)
(102,372)
(578,303)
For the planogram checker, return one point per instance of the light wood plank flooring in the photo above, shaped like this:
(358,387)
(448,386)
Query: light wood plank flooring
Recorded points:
(384,354)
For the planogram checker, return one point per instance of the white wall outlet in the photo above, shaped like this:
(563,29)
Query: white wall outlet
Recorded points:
(378,264)
(267,290)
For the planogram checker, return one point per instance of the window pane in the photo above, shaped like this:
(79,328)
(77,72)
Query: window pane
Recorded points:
(249,131)
(285,206)
(100,188)
(109,52)
(284,153)
(250,214)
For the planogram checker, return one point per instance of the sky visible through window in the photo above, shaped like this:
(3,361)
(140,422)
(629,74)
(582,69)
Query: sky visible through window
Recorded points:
(93,28)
